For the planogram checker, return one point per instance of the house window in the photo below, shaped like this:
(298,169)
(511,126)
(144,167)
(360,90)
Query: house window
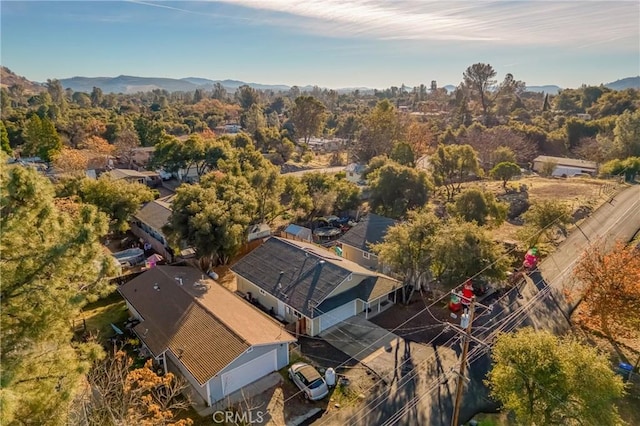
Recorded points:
(297,314)
(262,292)
(287,309)
(366,254)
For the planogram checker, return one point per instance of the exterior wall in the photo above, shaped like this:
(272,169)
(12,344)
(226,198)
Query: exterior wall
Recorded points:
(356,255)
(316,327)
(175,366)
(133,311)
(570,169)
(153,239)
(267,300)
(282,355)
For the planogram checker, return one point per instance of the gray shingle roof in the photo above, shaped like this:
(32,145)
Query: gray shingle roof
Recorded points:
(370,230)
(155,214)
(291,273)
(368,290)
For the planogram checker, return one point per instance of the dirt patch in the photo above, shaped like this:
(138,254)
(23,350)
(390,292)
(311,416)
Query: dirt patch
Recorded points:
(574,192)
(422,327)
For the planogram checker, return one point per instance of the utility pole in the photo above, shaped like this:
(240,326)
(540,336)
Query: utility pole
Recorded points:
(463,363)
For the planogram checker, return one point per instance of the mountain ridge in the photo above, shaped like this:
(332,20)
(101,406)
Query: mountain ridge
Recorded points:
(132,84)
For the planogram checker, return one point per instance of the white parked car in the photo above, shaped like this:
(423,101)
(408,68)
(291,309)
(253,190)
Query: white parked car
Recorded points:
(164,175)
(309,381)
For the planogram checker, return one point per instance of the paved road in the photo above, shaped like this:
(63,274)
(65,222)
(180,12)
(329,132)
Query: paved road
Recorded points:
(323,170)
(426,395)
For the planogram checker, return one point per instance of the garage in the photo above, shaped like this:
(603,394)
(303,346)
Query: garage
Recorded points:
(335,316)
(249,372)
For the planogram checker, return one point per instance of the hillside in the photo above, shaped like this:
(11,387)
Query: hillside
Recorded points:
(625,83)
(8,78)
(133,84)
(551,89)
(127,84)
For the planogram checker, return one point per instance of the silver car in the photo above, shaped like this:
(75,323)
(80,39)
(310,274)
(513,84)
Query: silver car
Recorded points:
(309,381)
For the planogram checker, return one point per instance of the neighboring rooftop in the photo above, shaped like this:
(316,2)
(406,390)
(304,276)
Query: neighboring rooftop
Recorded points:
(202,323)
(370,230)
(156,213)
(117,174)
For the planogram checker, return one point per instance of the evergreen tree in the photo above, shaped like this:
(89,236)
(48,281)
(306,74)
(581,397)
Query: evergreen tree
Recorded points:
(41,138)
(51,263)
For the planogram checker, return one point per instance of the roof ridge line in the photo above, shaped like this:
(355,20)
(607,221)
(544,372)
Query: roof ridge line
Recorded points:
(209,311)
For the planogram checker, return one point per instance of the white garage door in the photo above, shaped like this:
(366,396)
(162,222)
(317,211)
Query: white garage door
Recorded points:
(249,372)
(331,318)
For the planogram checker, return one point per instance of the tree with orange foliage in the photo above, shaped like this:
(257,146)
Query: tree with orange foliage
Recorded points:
(421,138)
(72,161)
(612,285)
(120,395)
(98,147)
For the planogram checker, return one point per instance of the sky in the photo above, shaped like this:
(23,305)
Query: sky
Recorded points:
(329,43)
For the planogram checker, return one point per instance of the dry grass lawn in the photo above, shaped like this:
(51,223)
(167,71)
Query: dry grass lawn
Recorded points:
(574,192)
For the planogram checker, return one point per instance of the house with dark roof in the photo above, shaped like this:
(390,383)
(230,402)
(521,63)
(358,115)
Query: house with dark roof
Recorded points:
(147,224)
(356,242)
(305,284)
(196,328)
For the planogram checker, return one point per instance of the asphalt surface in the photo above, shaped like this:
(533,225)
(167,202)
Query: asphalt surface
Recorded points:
(336,169)
(425,393)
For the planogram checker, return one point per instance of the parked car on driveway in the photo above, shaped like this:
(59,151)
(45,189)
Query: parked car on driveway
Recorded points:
(309,381)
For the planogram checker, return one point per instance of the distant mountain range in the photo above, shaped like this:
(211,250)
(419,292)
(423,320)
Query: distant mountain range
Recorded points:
(132,84)
(625,83)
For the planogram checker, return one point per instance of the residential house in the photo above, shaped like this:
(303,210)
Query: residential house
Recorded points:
(356,242)
(301,283)
(565,166)
(325,145)
(354,172)
(196,328)
(147,224)
(131,176)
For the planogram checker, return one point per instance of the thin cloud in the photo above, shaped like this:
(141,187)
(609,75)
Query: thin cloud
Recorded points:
(523,22)
(163,5)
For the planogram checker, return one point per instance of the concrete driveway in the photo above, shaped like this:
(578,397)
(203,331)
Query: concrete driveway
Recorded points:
(386,354)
